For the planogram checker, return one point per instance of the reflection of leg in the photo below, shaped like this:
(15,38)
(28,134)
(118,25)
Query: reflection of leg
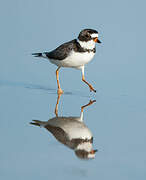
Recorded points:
(59,91)
(56,107)
(83,79)
(90,102)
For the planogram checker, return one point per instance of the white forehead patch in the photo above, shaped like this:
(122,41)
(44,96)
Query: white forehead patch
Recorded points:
(94,35)
(91,156)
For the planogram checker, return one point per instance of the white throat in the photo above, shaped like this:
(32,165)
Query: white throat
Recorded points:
(87,146)
(87,45)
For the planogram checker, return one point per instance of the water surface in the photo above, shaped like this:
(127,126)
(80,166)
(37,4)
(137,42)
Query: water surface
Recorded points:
(117,119)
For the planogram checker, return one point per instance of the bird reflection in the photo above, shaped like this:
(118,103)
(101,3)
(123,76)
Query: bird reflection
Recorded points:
(71,131)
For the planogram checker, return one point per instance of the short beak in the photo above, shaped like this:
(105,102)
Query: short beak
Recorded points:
(94,151)
(96,40)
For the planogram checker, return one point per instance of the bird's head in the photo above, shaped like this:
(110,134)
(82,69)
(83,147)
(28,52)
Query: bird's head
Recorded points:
(85,151)
(83,154)
(89,35)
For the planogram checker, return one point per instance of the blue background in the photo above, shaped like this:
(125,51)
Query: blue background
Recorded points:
(28,89)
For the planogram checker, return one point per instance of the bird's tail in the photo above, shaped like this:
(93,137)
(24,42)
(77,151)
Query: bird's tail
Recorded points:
(38,123)
(37,54)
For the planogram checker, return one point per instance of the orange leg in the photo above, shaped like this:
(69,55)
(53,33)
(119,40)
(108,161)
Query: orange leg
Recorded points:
(56,107)
(90,86)
(90,102)
(59,91)
(83,79)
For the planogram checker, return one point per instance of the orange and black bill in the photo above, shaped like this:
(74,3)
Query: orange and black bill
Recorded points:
(94,151)
(97,40)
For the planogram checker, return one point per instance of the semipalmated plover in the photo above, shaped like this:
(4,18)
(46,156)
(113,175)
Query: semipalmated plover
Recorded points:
(74,54)
(72,132)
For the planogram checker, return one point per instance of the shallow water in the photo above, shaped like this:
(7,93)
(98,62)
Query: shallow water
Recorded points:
(117,119)
(117,124)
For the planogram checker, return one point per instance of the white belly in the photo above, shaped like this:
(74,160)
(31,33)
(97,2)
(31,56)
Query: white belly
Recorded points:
(72,127)
(75,60)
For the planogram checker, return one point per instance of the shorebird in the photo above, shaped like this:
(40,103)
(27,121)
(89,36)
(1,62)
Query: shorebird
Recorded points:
(74,54)
(71,131)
